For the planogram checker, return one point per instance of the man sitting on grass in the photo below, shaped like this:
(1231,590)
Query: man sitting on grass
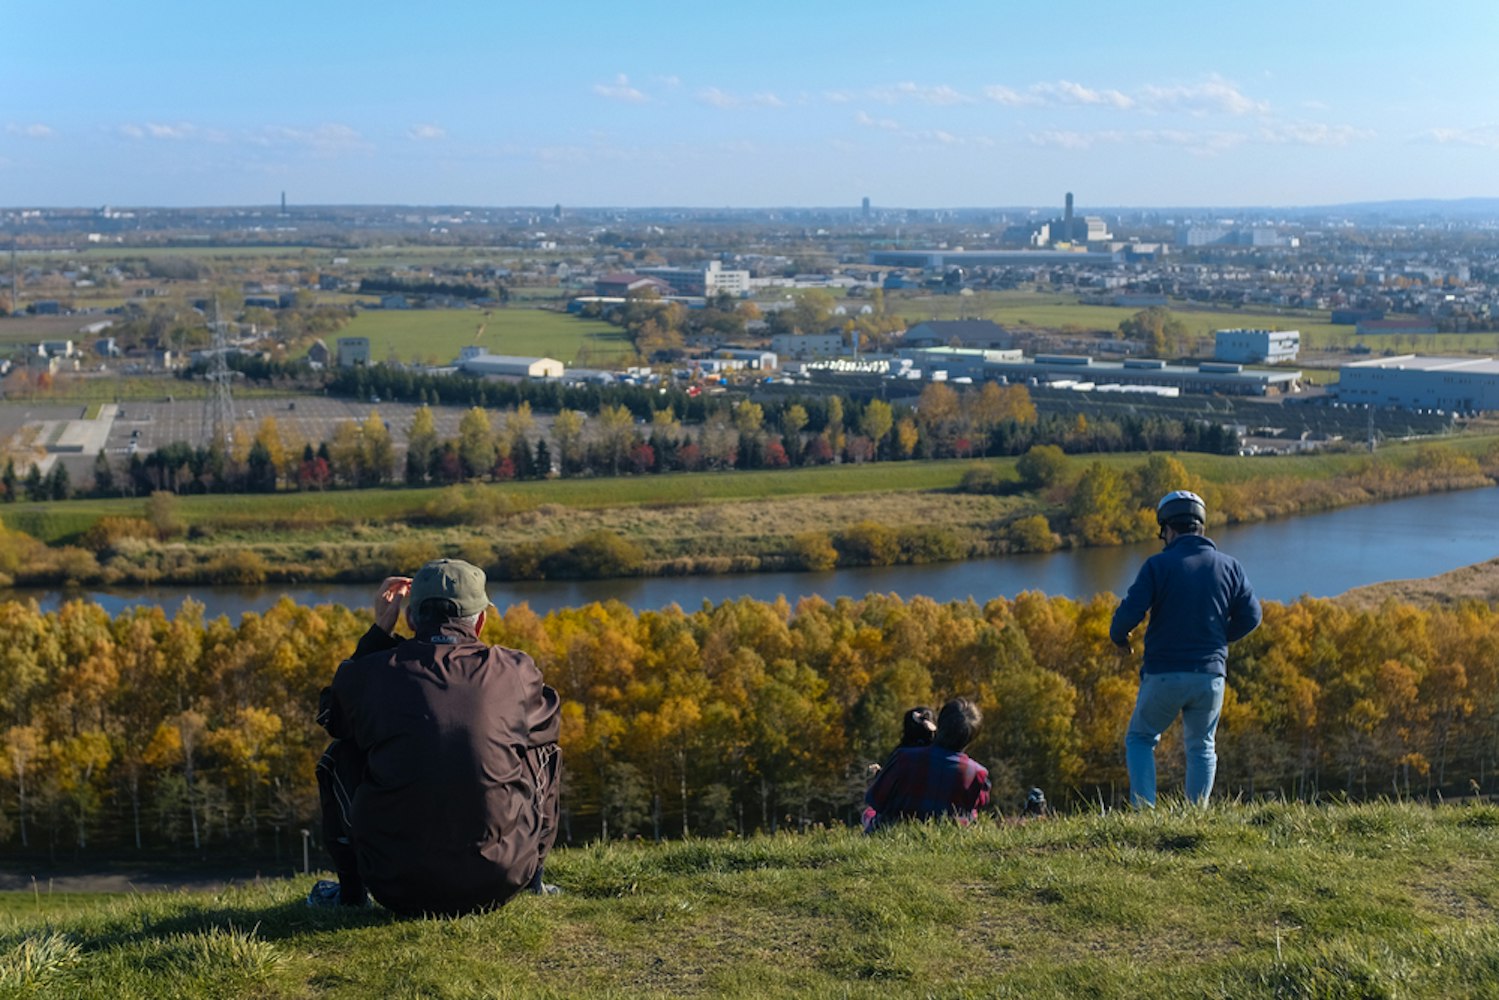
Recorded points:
(936,781)
(439,792)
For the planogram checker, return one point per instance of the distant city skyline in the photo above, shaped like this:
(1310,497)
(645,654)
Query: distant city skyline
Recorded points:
(776,104)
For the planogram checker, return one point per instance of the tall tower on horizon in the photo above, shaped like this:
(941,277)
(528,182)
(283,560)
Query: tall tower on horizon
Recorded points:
(866,206)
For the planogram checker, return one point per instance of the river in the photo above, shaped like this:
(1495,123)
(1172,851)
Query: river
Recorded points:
(1320,555)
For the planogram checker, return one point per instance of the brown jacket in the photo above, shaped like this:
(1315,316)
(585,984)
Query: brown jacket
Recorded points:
(458,804)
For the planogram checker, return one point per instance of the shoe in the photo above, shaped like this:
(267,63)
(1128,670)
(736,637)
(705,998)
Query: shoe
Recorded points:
(324,894)
(546,889)
(328,894)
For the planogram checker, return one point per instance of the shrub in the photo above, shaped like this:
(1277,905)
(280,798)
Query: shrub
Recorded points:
(1033,534)
(813,551)
(868,543)
(473,504)
(1043,465)
(241,567)
(929,543)
(595,556)
(164,516)
(108,532)
(409,554)
(985,479)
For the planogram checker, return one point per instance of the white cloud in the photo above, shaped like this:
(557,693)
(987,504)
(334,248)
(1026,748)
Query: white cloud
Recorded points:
(1067,92)
(32,130)
(668,81)
(1202,143)
(620,90)
(324,140)
(1009,97)
(1314,134)
(159,130)
(1484,137)
(1214,95)
(1061,92)
(941,94)
(426,133)
(888,124)
(723,99)
(837,96)
(1066,139)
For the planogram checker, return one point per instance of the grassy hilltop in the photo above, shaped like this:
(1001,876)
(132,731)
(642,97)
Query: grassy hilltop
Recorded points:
(1270,900)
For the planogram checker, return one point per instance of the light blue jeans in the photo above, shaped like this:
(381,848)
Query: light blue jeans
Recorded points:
(1199,699)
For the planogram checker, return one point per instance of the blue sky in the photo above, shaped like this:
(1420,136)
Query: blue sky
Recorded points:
(773,103)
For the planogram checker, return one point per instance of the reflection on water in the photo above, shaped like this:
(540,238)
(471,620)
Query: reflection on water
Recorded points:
(1320,555)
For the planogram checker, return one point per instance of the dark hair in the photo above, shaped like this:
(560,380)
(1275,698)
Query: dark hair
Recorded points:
(917,727)
(958,723)
(1185,526)
(436,611)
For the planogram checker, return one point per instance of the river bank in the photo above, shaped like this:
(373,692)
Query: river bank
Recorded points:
(800,520)
(1479,582)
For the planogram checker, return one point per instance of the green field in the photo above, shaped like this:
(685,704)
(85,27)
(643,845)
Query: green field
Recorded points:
(436,335)
(1237,901)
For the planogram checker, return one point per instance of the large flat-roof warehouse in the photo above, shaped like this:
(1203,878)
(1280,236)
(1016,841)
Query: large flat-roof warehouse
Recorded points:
(1080,370)
(1462,385)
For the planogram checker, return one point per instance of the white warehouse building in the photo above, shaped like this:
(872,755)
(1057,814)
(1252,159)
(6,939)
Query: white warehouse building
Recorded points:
(1461,385)
(1256,347)
(480,363)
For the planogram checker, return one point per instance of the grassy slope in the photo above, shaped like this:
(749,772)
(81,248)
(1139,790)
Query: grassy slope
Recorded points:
(1239,901)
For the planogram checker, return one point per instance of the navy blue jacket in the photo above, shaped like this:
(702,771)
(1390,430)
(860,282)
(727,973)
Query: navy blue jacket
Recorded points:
(1199,601)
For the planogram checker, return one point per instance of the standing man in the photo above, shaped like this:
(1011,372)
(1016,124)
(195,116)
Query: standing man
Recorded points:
(1199,601)
(439,792)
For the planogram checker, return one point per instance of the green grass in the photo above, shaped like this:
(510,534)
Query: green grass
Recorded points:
(1238,901)
(437,335)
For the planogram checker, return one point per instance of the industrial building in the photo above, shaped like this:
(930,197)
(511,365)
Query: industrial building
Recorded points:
(1256,347)
(481,363)
(1081,371)
(958,362)
(353,351)
(1408,381)
(807,345)
(708,280)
